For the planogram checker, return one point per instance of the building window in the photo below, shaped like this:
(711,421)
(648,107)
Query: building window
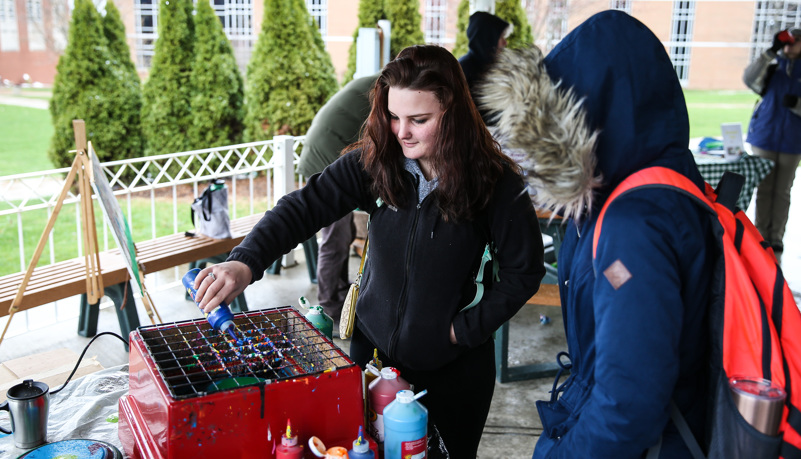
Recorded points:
(771,17)
(36,32)
(620,5)
(236,17)
(556,23)
(146,14)
(435,15)
(681,35)
(9,33)
(318,9)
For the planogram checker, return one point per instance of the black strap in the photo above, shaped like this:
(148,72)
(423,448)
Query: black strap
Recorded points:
(768,76)
(684,430)
(205,200)
(789,451)
(729,188)
(767,352)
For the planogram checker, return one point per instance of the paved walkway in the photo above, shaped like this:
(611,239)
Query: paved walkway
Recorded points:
(6,99)
(9,96)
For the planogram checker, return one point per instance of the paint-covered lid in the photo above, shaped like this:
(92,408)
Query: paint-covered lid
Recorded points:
(404,396)
(389,373)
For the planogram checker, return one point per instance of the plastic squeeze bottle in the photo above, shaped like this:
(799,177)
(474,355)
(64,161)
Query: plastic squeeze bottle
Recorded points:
(371,374)
(405,427)
(361,447)
(318,318)
(220,318)
(382,393)
(289,448)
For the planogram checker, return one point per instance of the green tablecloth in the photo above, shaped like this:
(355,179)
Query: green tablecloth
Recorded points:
(753,168)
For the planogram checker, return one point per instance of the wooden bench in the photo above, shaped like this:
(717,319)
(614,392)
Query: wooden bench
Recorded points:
(68,278)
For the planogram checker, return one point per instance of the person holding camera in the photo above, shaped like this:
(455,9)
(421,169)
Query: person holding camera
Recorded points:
(775,130)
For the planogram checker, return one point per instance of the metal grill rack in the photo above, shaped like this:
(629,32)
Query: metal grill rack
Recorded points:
(276,344)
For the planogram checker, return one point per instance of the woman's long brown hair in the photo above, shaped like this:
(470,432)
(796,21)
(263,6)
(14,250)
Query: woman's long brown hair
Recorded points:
(468,161)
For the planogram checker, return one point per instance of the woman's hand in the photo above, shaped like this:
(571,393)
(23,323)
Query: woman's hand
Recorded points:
(221,283)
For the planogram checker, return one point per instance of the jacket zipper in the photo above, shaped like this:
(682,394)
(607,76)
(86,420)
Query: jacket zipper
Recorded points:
(393,342)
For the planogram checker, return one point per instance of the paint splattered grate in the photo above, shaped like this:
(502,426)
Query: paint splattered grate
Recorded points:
(277,344)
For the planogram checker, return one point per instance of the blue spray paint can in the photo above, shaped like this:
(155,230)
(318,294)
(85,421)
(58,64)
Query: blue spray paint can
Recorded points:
(405,427)
(361,447)
(220,318)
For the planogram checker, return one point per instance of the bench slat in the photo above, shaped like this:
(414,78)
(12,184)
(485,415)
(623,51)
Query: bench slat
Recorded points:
(68,278)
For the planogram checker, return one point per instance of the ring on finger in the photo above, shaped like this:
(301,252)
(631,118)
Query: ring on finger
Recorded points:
(213,277)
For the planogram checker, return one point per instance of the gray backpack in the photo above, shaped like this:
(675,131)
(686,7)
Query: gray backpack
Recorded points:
(211,209)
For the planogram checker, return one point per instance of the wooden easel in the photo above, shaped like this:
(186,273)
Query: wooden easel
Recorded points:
(81,167)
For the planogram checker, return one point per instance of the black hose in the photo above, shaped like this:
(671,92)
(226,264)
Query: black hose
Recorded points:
(83,353)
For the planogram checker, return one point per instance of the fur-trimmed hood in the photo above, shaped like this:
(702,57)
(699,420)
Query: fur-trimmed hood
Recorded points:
(543,128)
(603,104)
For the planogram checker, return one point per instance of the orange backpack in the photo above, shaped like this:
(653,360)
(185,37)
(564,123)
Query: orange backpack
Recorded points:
(754,323)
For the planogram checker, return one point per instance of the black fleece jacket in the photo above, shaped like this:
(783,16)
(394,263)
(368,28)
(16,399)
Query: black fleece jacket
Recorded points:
(420,269)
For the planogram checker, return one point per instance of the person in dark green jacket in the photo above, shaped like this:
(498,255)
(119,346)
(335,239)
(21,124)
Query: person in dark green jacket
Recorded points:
(335,126)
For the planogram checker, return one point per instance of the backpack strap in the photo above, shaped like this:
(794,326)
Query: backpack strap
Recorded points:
(487,256)
(482,225)
(652,177)
(728,190)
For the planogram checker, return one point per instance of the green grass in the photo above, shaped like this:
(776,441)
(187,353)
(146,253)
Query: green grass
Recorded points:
(65,232)
(708,109)
(26,134)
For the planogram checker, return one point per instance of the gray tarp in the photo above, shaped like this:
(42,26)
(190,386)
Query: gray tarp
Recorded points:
(85,409)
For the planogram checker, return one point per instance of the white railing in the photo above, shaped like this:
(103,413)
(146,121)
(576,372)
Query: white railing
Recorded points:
(240,165)
(258,173)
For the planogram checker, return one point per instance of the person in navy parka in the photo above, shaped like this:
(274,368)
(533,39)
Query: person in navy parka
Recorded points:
(634,317)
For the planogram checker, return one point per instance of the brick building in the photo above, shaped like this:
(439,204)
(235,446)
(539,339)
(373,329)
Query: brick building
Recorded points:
(709,41)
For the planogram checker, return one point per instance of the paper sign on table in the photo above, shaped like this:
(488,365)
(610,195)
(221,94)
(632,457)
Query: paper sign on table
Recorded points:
(733,147)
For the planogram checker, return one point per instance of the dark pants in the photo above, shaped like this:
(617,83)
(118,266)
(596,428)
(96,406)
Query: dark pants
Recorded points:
(773,197)
(332,265)
(459,394)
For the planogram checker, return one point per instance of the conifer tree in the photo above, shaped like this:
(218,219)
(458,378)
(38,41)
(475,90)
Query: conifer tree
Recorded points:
(114,31)
(128,129)
(462,18)
(370,12)
(289,77)
(218,101)
(406,23)
(167,93)
(510,11)
(90,84)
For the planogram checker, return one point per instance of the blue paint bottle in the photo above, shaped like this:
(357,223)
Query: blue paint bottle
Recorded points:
(220,318)
(361,447)
(405,427)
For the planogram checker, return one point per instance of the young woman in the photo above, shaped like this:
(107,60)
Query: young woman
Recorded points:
(437,189)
